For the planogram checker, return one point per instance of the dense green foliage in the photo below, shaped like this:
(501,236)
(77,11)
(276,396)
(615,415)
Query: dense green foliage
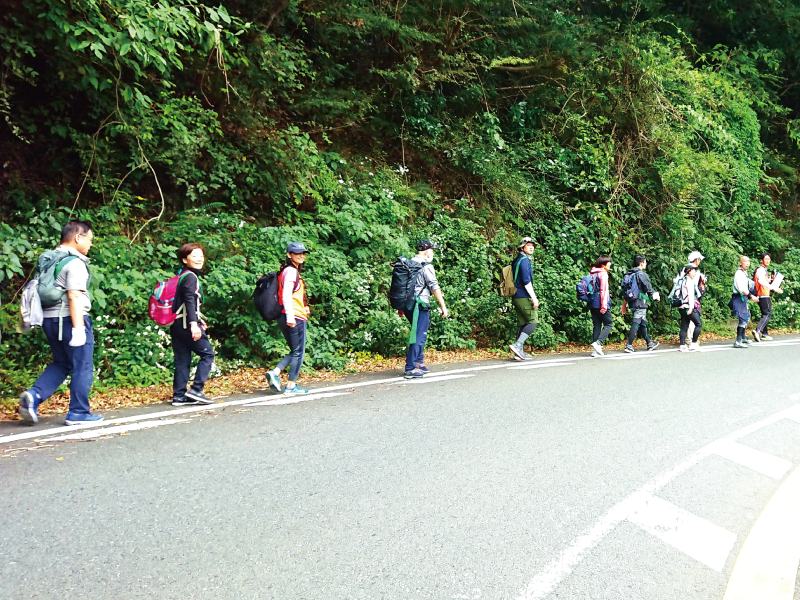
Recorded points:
(604,126)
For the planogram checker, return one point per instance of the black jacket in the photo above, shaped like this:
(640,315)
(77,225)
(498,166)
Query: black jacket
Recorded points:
(645,287)
(190,294)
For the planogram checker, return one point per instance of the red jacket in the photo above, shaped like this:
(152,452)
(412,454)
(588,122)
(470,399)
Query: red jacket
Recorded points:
(602,275)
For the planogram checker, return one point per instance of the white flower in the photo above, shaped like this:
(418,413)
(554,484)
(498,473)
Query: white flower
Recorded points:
(341,181)
(402,170)
(241,223)
(150,354)
(371,174)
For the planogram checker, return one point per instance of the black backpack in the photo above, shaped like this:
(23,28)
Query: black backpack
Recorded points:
(266,296)
(404,279)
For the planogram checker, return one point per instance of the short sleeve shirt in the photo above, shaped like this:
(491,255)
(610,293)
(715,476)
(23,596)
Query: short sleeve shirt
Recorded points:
(73,276)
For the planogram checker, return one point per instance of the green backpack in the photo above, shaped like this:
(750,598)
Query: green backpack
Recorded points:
(48,268)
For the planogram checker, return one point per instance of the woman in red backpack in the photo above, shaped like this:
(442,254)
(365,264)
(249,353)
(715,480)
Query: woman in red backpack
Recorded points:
(189,330)
(293,319)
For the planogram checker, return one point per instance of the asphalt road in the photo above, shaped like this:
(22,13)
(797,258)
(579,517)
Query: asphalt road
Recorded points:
(589,478)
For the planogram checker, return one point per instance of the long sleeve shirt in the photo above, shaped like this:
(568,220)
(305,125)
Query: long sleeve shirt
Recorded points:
(524,278)
(190,296)
(741,282)
(689,293)
(602,276)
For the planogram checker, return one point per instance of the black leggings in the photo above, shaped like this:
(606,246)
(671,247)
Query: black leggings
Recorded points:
(765,304)
(693,317)
(601,325)
(183,345)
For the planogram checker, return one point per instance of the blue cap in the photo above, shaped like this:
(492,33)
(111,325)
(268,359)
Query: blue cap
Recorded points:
(296,248)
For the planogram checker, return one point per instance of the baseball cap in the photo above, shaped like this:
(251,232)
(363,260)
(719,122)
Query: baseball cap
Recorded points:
(694,256)
(296,248)
(525,240)
(690,267)
(426,245)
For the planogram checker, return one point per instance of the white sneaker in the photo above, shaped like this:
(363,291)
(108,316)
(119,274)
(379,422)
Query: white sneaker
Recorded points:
(683,348)
(596,355)
(694,347)
(598,348)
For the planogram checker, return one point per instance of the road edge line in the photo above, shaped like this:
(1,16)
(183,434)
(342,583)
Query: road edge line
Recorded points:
(766,567)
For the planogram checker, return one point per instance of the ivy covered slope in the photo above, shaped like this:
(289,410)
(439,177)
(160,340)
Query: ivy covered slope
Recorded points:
(359,126)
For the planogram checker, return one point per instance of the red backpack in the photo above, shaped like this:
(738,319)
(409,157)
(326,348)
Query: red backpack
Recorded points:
(159,308)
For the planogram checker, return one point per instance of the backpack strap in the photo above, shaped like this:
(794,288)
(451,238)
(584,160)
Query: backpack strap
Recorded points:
(61,264)
(516,269)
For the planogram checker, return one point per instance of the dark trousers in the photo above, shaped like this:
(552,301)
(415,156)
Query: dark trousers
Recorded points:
(765,304)
(182,346)
(296,338)
(695,318)
(74,362)
(601,325)
(638,326)
(416,350)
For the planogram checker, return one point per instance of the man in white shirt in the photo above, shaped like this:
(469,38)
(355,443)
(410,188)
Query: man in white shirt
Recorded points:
(72,346)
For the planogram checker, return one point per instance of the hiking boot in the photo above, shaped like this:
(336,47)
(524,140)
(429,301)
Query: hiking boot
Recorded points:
(274,381)
(199,397)
(81,418)
(518,352)
(738,344)
(183,401)
(766,338)
(598,348)
(694,347)
(413,374)
(652,345)
(27,408)
(757,336)
(629,348)
(296,390)
(683,348)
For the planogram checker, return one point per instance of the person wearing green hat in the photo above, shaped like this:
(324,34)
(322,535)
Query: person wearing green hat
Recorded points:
(420,317)
(526,305)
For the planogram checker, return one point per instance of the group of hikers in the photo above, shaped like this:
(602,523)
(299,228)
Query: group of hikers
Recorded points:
(61,283)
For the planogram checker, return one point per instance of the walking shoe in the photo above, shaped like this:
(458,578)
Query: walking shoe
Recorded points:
(517,351)
(525,355)
(81,418)
(629,348)
(766,338)
(598,348)
(413,374)
(694,347)
(683,348)
(294,390)
(424,369)
(595,354)
(652,346)
(738,344)
(27,407)
(757,336)
(274,381)
(746,341)
(183,401)
(199,397)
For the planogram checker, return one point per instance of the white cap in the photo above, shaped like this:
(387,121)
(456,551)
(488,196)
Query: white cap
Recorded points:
(695,255)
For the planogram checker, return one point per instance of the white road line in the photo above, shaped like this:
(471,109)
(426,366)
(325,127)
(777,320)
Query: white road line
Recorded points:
(281,400)
(552,575)
(702,540)
(541,366)
(781,343)
(431,379)
(629,356)
(761,462)
(118,429)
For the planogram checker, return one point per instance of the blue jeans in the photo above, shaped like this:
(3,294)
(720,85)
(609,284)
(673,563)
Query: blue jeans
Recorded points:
(296,338)
(415,355)
(77,362)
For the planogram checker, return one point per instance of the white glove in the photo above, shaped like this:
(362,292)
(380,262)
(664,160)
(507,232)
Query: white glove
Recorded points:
(656,296)
(78,337)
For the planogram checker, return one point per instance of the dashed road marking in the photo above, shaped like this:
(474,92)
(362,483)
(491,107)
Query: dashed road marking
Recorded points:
(702,540)
(553,574)
(432,379)
(284,400)
(761,462)
(766,567)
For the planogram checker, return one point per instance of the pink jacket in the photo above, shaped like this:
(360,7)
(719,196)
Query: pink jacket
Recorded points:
(602,275)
